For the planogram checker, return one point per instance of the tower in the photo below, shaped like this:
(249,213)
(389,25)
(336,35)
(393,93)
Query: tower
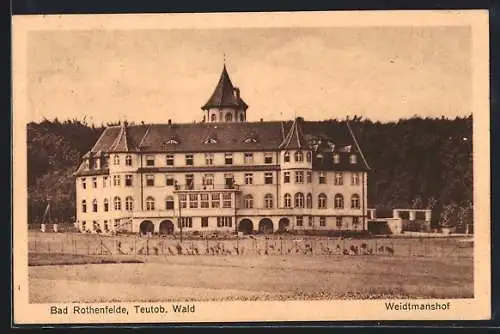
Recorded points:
(225,104)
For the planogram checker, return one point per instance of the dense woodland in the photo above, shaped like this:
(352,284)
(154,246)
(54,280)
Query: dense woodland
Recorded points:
(415,163)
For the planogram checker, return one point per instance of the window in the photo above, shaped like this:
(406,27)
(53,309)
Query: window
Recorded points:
(248,158)
(310,221)
(208,180)
(189,181)
(87,163)
(287,201)
(129,203)
(183,201)
(185,222)
(169,180)
(84,206)
(338,201)
(299,156)
(355,201)
(355,222)
(128,160)
(215,200)
(268,158)
(319,158)
(248,178)
(169,160)
(224,221)
(268,178)
(299,220)
(309,176)
(336,160)
(248,202)
(116,180)
(116,159)
(286,177)
(117,202)
(226,200)
(353,159)
(209,157)
(106,205)
(94,205)
(355,179)
(286,157)
(94,182)
(308,156)
(299,200)
(228,181)
(213,118)
(228,158)
(169,203)
(309,201)
(128,180)
(150,204)
(193,201)
(104,181)
(229,117)
(204,220)
(322,178)
(150,180)
(204,201)
(98,163)
(322,200)
(338,221)
(299,177)
(339,179)
(84,183)
(268,201)
(189,159)
(150,160)
(322,221)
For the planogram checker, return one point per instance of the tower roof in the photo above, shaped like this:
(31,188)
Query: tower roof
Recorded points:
(295,137)
(225,94)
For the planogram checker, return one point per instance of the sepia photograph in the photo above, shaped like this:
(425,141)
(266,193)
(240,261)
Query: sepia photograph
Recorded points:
(219,167)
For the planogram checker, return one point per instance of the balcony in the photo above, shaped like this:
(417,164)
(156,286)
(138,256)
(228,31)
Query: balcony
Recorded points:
(206,187)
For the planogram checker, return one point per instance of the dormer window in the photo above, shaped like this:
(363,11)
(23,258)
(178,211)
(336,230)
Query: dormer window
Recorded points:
(87,163)
(250,140)
(319,158)
(213,117)
(98,163)
(210,141)
(172,141)
(229,117)
(353,159)
(336,158)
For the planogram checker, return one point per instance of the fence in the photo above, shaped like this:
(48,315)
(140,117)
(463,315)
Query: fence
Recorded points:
(82,244)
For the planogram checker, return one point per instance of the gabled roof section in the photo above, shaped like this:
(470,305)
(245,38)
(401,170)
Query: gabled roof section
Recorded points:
(122,142)
(225,94)
(295,137)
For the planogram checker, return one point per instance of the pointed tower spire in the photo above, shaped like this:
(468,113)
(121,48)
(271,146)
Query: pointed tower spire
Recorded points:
(295,137)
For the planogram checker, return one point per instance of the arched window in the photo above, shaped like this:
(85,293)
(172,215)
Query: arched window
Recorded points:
(268,201)
(309,201)
(338,201)
(308,156)
(288,201)
(117,202)
(299,200)
(128,160)
(355,203)
(299,156)
(229,117)
(242,118)
(150,204)
(106,205)
(248,202)
(286,157)
(322,200)
(213,117)
(169,203)
(84,206)
(94,205)
(129,203)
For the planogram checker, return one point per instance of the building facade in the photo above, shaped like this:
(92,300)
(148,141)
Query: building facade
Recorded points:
(222,174)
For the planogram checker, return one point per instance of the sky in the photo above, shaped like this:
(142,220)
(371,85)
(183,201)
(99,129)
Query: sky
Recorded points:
(380,73)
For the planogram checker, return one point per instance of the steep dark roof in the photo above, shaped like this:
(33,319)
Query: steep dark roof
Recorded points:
(225,94)
(295,137)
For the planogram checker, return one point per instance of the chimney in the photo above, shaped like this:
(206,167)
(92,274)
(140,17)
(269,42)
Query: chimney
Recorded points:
(236,92)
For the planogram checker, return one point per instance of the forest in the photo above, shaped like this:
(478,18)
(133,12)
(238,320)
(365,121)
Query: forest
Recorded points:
(415,163)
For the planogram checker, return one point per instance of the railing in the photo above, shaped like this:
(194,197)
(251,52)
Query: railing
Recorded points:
(207,187)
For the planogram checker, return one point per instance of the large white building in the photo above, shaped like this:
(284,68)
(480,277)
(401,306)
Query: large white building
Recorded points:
(223,174)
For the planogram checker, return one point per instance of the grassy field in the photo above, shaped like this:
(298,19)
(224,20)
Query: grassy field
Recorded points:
(251,277)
